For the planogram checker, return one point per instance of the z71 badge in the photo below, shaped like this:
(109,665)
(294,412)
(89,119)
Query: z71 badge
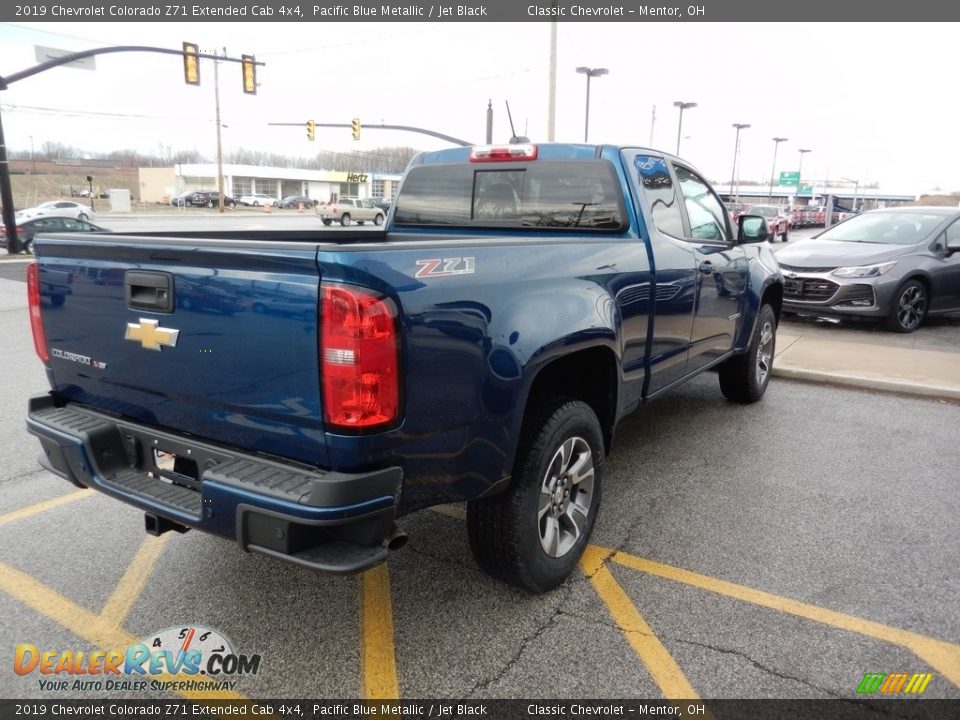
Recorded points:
(437,267)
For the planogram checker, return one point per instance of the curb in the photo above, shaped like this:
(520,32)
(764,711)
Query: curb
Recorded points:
(895,387)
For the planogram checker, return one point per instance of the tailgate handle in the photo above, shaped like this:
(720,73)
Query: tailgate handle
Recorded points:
(146,290)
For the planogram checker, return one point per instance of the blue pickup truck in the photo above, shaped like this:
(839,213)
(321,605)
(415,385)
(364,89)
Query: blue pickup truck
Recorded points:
(300,391)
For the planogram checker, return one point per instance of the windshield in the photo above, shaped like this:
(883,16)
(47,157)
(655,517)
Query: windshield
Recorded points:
(893,228)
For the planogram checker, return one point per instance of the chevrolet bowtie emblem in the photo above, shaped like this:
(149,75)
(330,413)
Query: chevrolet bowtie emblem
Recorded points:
(150,335)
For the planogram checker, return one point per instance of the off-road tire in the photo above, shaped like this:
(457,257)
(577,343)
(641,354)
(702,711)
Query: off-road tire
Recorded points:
(744,378)
(505,530)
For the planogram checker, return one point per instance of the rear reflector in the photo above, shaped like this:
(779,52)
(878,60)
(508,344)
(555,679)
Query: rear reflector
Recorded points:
(503,153)
(359,368)
(33,302)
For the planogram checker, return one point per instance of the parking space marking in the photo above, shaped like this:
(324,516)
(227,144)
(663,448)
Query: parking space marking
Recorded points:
(941,655)
(92,627)
(40,507)
(377,651)
(658,660)
(128,590)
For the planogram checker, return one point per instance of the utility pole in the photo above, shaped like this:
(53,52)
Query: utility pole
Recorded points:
(552,86)
(216,93)
(653,121)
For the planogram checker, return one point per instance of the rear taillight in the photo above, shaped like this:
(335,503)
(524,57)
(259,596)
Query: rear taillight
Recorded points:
(359,366)
(36,323)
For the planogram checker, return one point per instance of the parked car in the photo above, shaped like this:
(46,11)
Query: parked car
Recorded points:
(381,203)
(211,198)
(294,201)
(48,223)
(898,264)
(257,199)
(349,210)
(60,208)
(736,210)
(777,217)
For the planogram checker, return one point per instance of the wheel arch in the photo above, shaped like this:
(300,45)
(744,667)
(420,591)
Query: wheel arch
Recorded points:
(590,375)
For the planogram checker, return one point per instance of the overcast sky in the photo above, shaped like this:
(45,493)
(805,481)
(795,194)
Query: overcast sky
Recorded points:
(874,102)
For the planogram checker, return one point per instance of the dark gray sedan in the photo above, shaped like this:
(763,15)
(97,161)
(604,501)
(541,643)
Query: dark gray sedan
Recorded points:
(897,264)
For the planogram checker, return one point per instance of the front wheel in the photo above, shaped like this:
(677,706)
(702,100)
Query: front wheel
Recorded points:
(83,216)
(909,307)
(345,219)
(533,534)
(744,378)
(378,220)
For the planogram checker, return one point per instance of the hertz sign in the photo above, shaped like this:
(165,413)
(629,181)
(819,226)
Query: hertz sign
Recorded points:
(356,177)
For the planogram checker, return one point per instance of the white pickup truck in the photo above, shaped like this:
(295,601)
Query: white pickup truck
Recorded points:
(348,210)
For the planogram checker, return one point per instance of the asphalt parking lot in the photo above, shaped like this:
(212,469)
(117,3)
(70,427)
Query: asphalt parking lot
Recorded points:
(780,550)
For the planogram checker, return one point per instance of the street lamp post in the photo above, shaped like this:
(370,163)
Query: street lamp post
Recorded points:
(802,151)
(33,158)
(736,147)
(590,73)
(773,170)
(856,188)
(683,106)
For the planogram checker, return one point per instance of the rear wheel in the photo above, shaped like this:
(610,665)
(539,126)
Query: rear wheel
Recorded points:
(533,534)
(328,222)
(83,216)
(909,307)
(744,378)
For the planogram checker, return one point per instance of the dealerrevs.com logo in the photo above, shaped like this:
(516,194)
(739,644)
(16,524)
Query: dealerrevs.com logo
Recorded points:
(894,683)
(191,658)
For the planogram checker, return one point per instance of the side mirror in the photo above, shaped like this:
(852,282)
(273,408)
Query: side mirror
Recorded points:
(953,246)
(752,229)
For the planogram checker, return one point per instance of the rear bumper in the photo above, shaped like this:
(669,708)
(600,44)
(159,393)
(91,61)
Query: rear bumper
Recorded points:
(327,521)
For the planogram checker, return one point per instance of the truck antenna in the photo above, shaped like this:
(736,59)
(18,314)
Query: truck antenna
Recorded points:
(514,138)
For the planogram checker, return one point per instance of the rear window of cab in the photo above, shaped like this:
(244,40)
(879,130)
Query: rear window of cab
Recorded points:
(550,195)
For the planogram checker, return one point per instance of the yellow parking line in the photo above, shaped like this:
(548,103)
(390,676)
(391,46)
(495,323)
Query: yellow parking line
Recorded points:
(128,590)
(941,655)
(377,652)
(663,668)
(85,624)
(44,506)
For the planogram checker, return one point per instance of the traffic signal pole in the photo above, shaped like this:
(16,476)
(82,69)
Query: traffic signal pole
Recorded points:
(6,187)
(6,197)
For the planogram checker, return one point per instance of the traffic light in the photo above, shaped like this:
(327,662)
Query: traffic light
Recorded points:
(356,128)
(191,63)
(249,74)
(311,130)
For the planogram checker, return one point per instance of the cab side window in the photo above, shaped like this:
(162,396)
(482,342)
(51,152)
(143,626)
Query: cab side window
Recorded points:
(654,177)
(704,209)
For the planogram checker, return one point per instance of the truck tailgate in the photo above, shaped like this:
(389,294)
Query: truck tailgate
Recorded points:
(213,338)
